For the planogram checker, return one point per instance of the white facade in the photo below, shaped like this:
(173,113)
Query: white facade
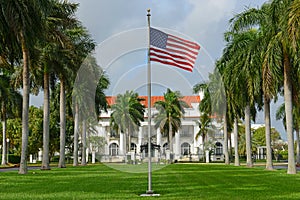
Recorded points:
(185,146)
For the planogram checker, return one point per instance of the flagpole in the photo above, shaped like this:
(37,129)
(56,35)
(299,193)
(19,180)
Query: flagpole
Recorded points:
(149,191)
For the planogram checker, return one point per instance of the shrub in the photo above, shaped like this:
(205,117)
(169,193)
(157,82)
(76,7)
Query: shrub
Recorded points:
(284,155)
(14,159)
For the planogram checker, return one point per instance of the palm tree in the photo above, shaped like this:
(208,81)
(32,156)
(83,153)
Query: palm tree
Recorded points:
(88,92)
(236,143)
(238,65)
(128,113)
(78,44)
(294,24)
(170,112)
(100,105)
(293,17)
(280,114)
(9,105)
(54,57)
(273,22)
(76,134)
(25,19)
(205,109)
(215,102)
(205,127)
(83,141)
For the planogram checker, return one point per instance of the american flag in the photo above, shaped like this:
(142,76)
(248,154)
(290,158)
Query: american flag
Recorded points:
(171,50)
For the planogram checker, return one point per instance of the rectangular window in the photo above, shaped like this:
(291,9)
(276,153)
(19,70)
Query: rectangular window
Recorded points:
(187,131)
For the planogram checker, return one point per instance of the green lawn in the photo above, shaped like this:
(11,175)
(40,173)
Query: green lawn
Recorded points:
(177,181)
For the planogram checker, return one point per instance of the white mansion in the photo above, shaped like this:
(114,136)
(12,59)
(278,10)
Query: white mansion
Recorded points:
(185,146)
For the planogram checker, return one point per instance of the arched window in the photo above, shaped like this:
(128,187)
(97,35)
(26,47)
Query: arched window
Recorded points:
(133,146)
(113,149)
(218,149)
(165,147)
(185,149)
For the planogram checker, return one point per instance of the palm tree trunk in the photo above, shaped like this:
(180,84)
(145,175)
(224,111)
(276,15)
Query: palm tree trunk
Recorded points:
(25,106)
(298,146)
(83,153)
(225,146)
(129,141)
(4,148)
(236,143)
(125,144)
(62,114)
(269,164)
(122,152)
(230,147)
(45,160)
(170,136)
(203,146)
(289,114)
(248,136)
(76,129)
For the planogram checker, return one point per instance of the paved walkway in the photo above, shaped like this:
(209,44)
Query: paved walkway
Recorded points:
(276,166)
(17,168)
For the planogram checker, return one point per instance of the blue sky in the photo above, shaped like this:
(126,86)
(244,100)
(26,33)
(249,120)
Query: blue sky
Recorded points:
(204,21)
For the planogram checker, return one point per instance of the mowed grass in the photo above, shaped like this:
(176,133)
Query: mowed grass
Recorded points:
(177,181)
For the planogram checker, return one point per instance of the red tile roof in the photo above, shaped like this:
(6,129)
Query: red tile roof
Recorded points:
(188,99)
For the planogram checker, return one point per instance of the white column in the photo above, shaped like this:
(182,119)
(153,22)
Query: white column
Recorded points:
(107,139)
(87,154)
(140,139)
(158,137)
(93,157)
(196,142)
(40,155)
(30,158)
(207,156)
(177,144)
(158,142)
(122,147)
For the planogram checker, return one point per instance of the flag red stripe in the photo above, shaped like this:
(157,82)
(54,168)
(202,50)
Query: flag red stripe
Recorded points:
(193,46)
(173,55)
(170,58)
(171,63)
(182,53)
(181,47)
(186,41)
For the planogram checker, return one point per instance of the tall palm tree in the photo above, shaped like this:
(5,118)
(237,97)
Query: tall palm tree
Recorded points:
(54,57)
(88,91)
(238,65)
(10,105)
(215,102)
(293,18)
(25,19)
(76,51)
(205,109)
(273,20)
(205,128)
(128,113)
(170,112)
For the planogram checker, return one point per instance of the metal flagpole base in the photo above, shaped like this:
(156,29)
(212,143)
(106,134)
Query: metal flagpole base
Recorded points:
(149,193)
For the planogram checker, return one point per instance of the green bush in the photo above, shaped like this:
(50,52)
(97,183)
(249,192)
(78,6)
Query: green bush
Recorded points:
(55,159)
(284,155)
(14,159)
